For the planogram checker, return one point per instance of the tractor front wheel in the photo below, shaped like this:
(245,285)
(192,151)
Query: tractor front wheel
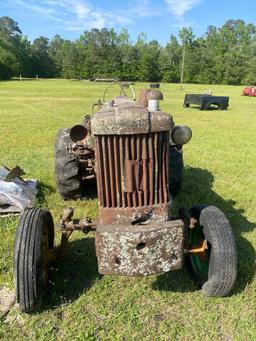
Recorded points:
(32,253)
(213,255)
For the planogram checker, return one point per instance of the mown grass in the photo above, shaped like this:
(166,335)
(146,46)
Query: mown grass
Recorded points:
(82,305)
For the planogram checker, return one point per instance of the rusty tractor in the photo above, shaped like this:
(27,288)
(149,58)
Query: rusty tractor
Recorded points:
(126,147)
(75,148)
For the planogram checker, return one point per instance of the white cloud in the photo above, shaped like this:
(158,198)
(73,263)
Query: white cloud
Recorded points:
(81,10)
(80,15)
(34,7)
(76,15)
(180,7)
(141,9)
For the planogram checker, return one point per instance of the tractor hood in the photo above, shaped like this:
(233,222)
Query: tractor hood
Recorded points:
(125,116)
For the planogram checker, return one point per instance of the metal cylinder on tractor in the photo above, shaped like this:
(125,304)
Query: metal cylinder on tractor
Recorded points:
(133,151)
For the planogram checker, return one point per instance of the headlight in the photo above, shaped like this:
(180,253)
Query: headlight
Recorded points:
(181,135)
(78,133)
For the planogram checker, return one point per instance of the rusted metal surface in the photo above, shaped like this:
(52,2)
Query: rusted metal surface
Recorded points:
(98,105)
(155,94)
(141,249)
(84,225)
(67,224)
(132,173)
(126,215)
(149,94)
(83,148)
(143,98)
(135,235)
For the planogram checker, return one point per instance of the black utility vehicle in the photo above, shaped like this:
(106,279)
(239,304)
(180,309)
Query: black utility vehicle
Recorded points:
(206,101)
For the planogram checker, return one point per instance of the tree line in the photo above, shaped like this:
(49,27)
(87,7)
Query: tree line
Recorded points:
(225,55)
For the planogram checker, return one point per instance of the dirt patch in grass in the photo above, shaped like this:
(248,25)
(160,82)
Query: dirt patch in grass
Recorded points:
(7,301)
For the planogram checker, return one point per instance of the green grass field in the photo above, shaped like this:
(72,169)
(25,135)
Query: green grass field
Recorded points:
(82,305)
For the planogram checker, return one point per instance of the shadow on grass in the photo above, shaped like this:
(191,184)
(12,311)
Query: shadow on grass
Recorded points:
(73,275)
(43,191)
(213,107)
(89,191)
(175,281)
(76,273)
(197,189)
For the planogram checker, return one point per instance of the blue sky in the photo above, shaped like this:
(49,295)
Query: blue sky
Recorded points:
(158,19)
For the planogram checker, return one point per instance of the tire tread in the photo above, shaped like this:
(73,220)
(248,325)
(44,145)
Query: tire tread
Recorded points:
(67,172)
(223,260)
(27,256)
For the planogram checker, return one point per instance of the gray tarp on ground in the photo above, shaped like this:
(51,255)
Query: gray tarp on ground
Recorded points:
(16,195)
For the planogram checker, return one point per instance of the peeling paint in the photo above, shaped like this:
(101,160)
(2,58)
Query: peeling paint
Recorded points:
(128,117)
(135,234)
(140,250)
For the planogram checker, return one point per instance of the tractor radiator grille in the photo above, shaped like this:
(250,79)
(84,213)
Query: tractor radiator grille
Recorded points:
(132,170)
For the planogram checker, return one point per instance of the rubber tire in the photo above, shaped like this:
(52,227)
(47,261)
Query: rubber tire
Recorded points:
(175,170)
(28,257)
(67,173)
(222,270)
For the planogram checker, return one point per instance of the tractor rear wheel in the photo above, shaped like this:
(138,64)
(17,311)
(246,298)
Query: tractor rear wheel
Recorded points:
(67,172)
(33,242)
(214,268)
(175,170)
